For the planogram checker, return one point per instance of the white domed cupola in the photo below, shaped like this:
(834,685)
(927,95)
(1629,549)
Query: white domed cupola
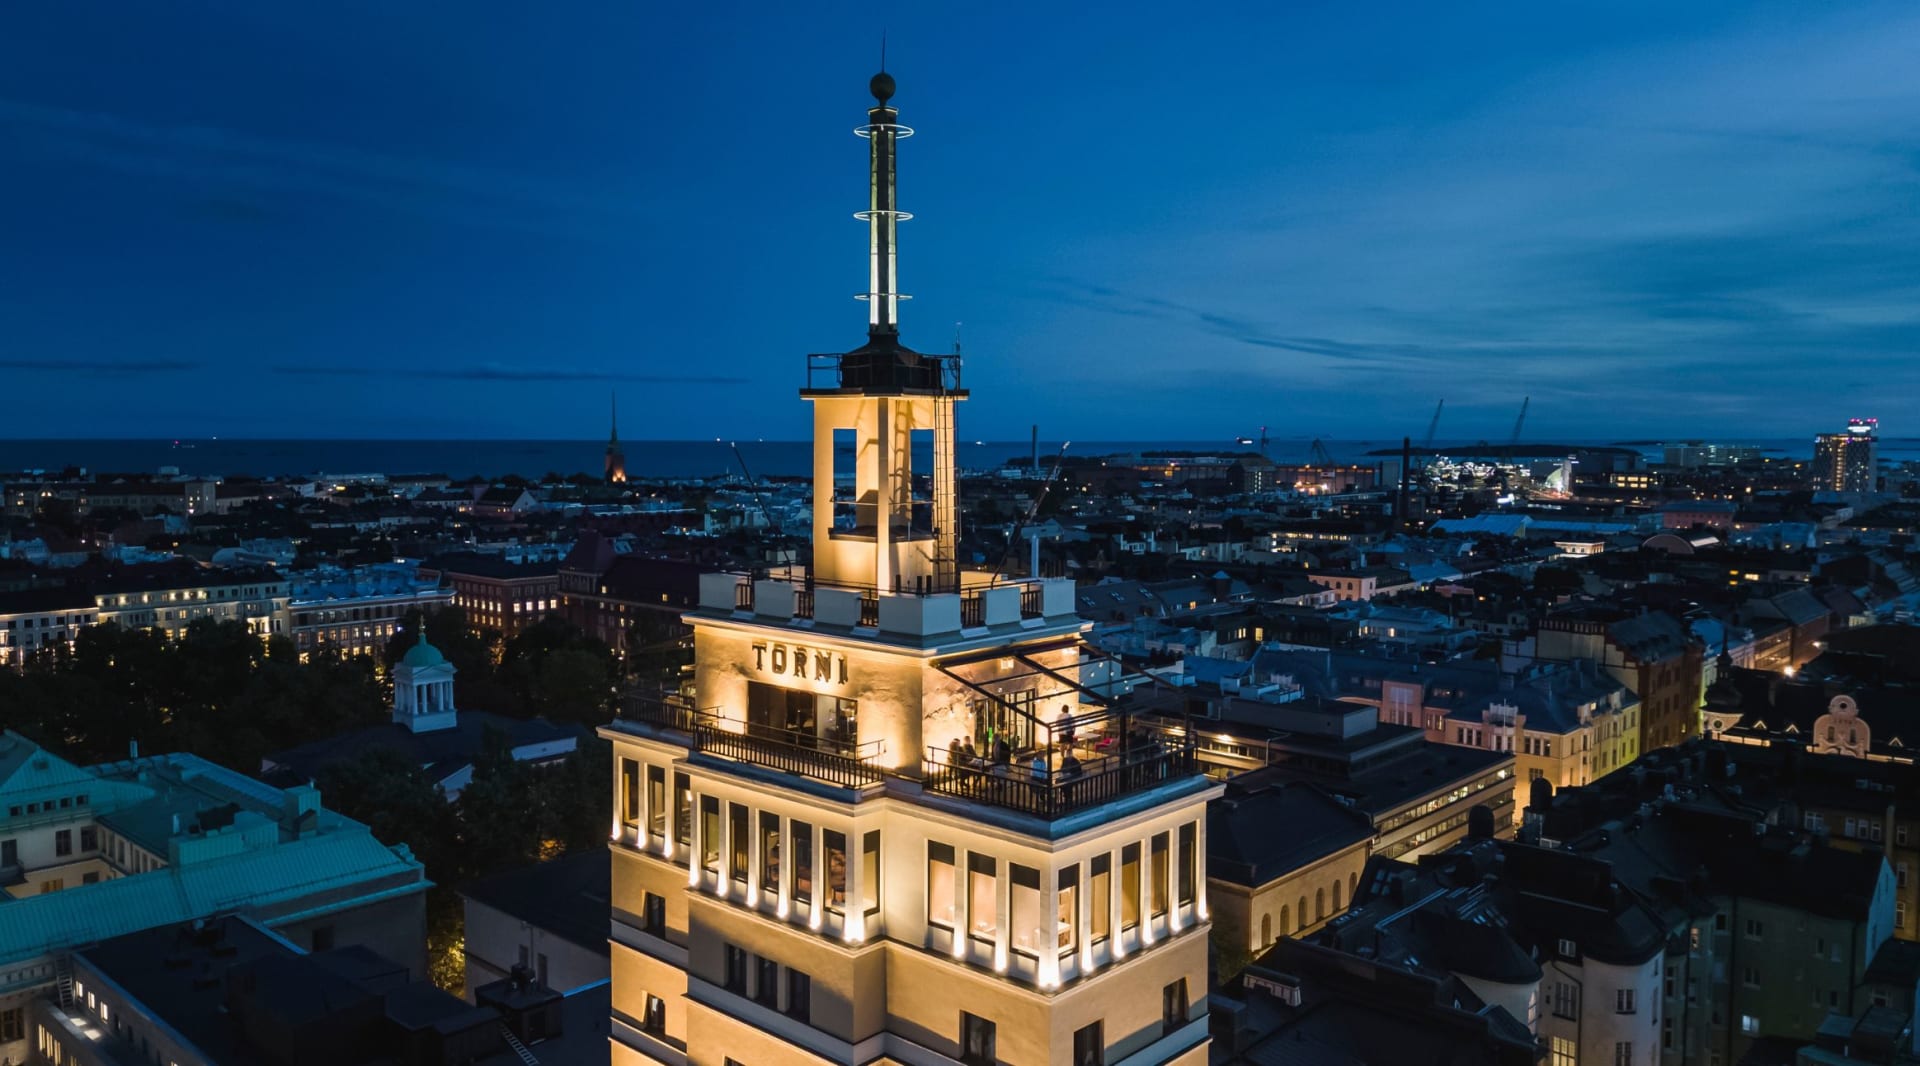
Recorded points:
(423,689)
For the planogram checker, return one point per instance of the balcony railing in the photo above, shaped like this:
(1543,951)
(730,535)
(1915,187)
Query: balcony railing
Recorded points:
(1031,603)
(1053,794)
(823,758)
(849,766)
(973,610)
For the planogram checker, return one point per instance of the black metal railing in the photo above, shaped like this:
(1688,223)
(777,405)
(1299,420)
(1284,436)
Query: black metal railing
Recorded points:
(834,370)
(743,596)
(973,609)
(1053,793)
(1031,603)
(670,709)
(870,609)
(788,752)
(803,603)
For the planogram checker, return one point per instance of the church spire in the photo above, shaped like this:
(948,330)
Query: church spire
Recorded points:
(616,459)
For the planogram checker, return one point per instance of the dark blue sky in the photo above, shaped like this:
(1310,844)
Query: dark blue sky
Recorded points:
(361,219)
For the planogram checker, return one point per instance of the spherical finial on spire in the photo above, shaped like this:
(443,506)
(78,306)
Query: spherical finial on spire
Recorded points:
(881,87)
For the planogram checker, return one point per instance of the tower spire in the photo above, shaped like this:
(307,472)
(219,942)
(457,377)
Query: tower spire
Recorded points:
(882,216)
(616,459)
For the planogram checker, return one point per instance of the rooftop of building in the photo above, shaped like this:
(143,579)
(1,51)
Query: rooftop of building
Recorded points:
(241,994)
(568,897)
(1699,818)
(1244,848)
(480,564)
(225,841)
(1303,1004)
(439,751)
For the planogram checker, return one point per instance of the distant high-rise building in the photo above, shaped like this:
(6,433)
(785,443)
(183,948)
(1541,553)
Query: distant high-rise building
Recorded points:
(1848,462)
(616,459)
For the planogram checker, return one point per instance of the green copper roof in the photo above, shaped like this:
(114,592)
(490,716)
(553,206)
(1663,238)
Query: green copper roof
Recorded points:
(422,654)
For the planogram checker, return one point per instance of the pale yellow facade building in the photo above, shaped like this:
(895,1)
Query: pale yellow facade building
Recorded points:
(896,818)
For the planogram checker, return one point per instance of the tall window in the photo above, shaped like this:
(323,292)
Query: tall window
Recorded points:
(976,1041)
(682,816)
(983,911)
(653,914)
(1623,1053)
(1100,897)
(799,995)
(940,900)
(1158,897)
(1564,1052)
(653,1017)
(870,873)
(836,845)
(1173,1006)
(766,982)
(1069,910)
(734,979)
(630,793)
(710,834)
(1129,886)
(801,836)
(739,840)
(769,853)
(657,803)
(1023,908)
(1089,1046)
(1187,864)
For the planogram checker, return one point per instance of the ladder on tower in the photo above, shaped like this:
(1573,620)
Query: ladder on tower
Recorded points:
(946,508)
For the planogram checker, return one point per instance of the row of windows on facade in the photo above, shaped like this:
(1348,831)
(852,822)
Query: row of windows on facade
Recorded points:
(62,803)
(53,1052)
(514,606)
(1392,822)
(973,907)
(1294,921)
(745,843)
(1855,828)
(976,1037)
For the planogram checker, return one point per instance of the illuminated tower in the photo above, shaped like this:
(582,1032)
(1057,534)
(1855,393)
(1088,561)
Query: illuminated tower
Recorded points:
(875,407)
(616,459)
(901,814)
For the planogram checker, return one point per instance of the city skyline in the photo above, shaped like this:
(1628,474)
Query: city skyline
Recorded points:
(1652,223)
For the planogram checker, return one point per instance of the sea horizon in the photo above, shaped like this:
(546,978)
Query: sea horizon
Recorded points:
(646,458)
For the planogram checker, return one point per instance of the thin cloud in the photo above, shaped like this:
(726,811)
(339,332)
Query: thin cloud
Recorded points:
(214,157)
(97,366)
(508,374)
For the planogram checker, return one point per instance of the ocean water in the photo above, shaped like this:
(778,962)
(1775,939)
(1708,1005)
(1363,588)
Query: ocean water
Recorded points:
(645,458)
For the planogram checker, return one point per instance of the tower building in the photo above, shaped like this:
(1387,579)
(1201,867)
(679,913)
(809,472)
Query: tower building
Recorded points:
(1848,462)
(901,814)
(616,459)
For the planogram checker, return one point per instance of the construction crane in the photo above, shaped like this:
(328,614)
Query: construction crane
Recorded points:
(777,530)
(1433,426)
(1033,510)
(1520,423)
(1321,456)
